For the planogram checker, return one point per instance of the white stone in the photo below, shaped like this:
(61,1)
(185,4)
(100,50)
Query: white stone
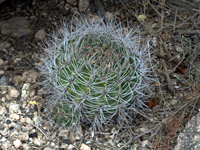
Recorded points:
(1,61)
(17,143)
(23,136)
(14,116)
(32,93)
(3,99)
(6,145)
(13,92)
(36,121)
(13,108)
(25,92)
(26,146)
(37,142)
(84,147)
(53,144)
(47,148)
(1,72)
(29,120)
(3,139)
(3,110)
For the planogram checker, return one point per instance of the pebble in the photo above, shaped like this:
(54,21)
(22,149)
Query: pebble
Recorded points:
(13,92)
(25,92)
(40,34)
(3,110)
(14,116)
(17,143)
(1,72)
(84,147)
(83,5)
(26,146)
(4,46)
(37,141)
(17,26)
(17,79)
(4,81)
(108,16)
(99,8)
(1,62)
(30,76)
(72,2)
(67,7)
(14,108)
(23,136)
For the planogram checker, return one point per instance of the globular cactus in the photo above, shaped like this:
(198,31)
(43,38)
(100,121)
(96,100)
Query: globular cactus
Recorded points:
(96,73)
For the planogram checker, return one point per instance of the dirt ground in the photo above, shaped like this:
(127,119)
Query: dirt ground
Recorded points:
(173,27)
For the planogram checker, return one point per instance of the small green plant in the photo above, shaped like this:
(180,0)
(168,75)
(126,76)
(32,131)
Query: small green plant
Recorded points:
(94,73)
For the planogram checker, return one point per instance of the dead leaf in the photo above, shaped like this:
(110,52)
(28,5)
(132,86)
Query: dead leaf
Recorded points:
(141,17)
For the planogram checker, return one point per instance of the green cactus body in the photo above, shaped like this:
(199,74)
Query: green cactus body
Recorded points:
(98,73)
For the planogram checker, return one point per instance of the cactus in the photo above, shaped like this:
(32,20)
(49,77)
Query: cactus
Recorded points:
(96,72)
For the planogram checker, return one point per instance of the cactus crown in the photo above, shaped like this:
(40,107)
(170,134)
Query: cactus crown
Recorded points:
(94,72)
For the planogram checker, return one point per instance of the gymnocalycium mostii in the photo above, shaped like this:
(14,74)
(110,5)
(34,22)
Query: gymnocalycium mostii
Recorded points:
(96,73)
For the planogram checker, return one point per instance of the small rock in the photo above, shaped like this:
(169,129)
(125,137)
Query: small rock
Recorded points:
(108,16)
(26,128)
(25,92)
(145,143)
(83,5)
(72,2)
(36,121)
(67,7)
(95,18)
(156,108)
(8,121)
(74,10)
(4,81)
(37,142)
(3,110)
(13,92)
(66,141)
(84,147)
(14,116)
(53,144)
(22,120)
(6,145)
(33,135)
(99,8)
(4,45)
(3,139)
(40,34)
(1,72)
(29,120)
(29,76)
(14,108)
(17,143)
(26,146)
(1,1)
(3,99)
(17,79)
(1,61)
(23,136)
(47,148)
(17,26)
